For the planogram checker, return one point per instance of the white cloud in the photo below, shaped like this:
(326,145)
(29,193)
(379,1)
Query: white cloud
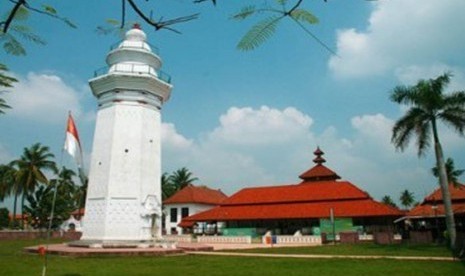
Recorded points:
(409,75)
(246,126)
(240,153)
(42,98)
(401,33)
(377,127)
(5,155)
(172,139)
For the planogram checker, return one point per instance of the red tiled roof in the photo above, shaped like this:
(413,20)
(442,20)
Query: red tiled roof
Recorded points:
(319,172)
(18,216)
(348,208)
(428,210)
(186,223)
(78,212)
(197,194)
(313,198)
(457,192)
(315,191)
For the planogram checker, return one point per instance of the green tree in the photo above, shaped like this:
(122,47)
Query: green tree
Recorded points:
(40,203)
(452,173)
(406,198)
(4,218)
(9,187)
(388,201)
(6,181)
(31,168)
(181,178)
(428,106)
(167,187)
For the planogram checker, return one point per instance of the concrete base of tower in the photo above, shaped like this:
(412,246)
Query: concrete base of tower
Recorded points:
(122,243)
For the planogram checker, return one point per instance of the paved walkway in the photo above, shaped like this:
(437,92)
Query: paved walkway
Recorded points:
(206,249)
(220,246)
(317,256)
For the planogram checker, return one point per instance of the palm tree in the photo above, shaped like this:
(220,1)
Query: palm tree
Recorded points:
(428,105)
(167,188)
(5,182)
(30,169)
(407,198)
(65,184)
(8,187)
(181,178)
(388,201)
(451,172)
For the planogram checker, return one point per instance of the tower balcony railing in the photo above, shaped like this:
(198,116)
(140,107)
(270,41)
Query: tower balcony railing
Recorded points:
(136,45)
(133,69)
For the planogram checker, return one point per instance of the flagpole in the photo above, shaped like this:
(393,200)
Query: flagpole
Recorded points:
(52,212)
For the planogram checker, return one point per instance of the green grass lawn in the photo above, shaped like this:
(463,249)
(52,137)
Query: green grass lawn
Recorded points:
(14,262)
(361,249)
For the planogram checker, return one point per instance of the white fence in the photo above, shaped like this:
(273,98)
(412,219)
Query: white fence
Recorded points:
(365,237)
(178,238)
(281,239)
(224,239)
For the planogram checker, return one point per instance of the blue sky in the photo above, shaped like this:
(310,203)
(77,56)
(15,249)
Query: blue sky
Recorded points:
(239,119)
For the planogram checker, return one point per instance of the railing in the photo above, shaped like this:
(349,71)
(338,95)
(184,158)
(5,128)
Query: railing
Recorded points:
(134,69)
(365,237)
(224,239)
(135,45)
(282,239)
(178,238)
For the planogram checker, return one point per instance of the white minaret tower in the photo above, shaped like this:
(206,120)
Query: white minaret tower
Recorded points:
(124,194)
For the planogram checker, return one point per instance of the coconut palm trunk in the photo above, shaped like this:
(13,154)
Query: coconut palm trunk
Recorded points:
(15,202)
(444,184)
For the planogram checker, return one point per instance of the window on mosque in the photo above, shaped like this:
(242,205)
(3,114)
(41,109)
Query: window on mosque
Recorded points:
(184,212)
(173,214)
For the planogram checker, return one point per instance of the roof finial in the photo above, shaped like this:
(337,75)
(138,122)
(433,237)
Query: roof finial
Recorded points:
(319,153)
(136,26)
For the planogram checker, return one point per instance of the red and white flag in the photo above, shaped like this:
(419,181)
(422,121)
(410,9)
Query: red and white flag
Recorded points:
(72,143)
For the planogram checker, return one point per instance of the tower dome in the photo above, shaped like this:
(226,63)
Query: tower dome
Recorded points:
(134,55)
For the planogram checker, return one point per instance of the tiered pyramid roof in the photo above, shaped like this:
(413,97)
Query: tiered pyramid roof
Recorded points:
(319,192)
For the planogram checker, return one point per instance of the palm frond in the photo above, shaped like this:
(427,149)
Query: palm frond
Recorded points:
(13,46)
(304,16)
(438,84)
(3,106)
(244,13)
(455,118)
(5,80)
(404,95)
(27,34)
(259,33)
(405,127)
(423,131)
(455,99)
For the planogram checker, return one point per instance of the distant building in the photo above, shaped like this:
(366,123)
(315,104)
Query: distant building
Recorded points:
(74,222)
(429,215)
(318,204)
(186,202)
